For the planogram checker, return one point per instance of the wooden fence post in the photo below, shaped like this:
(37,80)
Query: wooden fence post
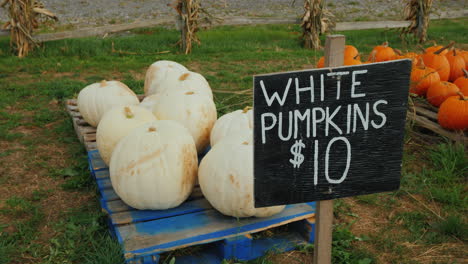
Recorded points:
(334,57)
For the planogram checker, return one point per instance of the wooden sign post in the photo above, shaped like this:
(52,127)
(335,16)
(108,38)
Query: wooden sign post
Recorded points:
(334,57)
(328,133)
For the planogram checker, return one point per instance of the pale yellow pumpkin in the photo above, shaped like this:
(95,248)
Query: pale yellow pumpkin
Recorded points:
(155,166)
(116,124)
(232,124)
(226,179)
(191,81)
(95,99)
(193,110)
(162,75)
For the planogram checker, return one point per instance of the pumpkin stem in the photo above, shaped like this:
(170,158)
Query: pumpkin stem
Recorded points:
(465,72)
(421,64)
(152,129)
(355,57)
(385,44)
(246,109)
(103,83)
(128,112)
(184,76)
(444,48)
(397,51)
(454,52)
(462,96)
(189,93)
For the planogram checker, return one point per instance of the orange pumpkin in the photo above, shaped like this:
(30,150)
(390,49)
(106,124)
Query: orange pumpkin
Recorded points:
(382,53)
(348,61)
(438,62)
(413,56)
(422,78)
(464,54)
(435,48)
(438,92)
(321,62)
(453,113)
(351,52)
(462,83)
(457,64)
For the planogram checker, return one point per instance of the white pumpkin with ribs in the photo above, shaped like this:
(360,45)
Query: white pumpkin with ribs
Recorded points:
(195,111)
(96,99)
(155,166)
(116,124)
(226,178)
(232,124)
(161,75)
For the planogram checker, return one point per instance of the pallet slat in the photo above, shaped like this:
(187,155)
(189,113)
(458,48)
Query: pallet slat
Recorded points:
(426,117)
(151,232)
(199,228)
(136,216)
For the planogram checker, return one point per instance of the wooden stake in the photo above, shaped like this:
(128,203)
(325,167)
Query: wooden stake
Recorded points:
(334,57)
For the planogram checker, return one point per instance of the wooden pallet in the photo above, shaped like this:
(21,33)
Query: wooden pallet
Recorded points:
(145,234)
(425,115)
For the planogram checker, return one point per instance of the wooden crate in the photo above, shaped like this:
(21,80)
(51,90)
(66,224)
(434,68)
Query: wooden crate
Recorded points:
(145,234)
(425,115)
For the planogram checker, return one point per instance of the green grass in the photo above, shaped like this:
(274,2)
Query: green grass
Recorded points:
(33,90)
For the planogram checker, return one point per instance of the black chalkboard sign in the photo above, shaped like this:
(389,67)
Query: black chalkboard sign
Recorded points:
(328,133)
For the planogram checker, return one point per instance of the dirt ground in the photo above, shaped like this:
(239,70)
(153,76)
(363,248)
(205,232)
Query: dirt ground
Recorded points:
(102,12)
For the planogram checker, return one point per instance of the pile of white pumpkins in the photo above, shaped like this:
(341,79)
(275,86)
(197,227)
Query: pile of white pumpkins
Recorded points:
(152,147)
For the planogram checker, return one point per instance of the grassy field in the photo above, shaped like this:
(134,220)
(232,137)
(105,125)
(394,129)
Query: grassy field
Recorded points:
(48,205)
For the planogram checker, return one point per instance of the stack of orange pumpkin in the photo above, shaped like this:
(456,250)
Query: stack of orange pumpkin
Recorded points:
(440,74)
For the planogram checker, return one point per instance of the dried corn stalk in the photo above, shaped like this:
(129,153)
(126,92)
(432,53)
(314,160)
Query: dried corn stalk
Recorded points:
(23,20)
(315,21)
(188,19)
(417,11)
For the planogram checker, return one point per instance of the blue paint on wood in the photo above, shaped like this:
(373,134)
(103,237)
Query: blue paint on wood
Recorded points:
(276,244)
(102,174)
(96,162)
(239,247)
(259,247)
(192,215)
(109,194)
(136,216)
(104,183)
(205,227)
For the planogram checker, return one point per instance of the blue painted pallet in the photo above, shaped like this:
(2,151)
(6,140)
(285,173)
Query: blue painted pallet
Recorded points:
(145,234)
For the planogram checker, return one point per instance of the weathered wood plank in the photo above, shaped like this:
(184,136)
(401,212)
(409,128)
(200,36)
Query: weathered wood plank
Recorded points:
(102,30)
(104,183)
(90,146)
(436,128)
(101,174)
(72,102)
(345,26)
(199,228)
(136,216)
(424,112)
(96,161)
(89,137)
(117,206)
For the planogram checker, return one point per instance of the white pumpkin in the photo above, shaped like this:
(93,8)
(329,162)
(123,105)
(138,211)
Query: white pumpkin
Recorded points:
(149,102)
(95,99)
(116,124)
(162,74)
(231,124)
(191,81)
(226,179)
(155,166)
(195,111)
